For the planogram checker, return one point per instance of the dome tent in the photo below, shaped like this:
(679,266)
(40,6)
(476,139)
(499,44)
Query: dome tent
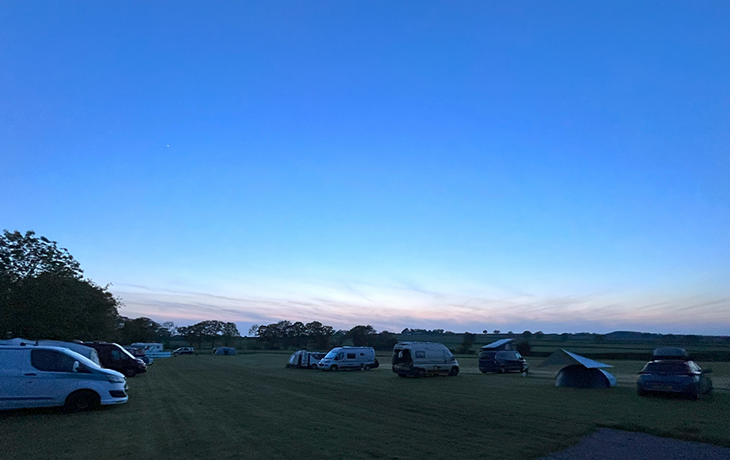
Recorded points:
(578,371)
(224,351)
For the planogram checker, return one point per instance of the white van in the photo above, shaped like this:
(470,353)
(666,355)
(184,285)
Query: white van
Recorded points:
(38,376)
(349,358)
(423,358)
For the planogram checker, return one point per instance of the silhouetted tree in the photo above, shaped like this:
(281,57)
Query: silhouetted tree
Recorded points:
(229,333)
(43,293)
(465,346)
(361,336)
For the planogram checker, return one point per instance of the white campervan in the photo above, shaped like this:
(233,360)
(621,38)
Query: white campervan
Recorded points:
(349,358)
(423,358)
(38,376)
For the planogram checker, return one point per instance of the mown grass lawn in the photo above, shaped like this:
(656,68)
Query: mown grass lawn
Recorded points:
(250,406)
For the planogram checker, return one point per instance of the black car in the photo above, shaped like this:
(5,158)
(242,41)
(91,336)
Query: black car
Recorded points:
(114,356)
(680,376)
(502,361)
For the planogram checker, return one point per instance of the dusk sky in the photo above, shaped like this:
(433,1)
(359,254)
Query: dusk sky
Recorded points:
(554,166)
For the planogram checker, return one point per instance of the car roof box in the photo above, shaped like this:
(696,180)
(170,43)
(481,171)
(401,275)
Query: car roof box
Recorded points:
(670,353)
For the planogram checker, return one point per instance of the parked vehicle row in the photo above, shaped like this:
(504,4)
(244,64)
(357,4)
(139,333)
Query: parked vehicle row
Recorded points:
(671,372)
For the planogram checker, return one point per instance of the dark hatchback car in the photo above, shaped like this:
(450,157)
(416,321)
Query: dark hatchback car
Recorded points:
(677,376)
(502,361)
(114,356)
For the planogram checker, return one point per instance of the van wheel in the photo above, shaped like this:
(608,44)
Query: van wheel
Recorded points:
(333,368)
(366,368)
(129,373)
(313,366)
(82,400)
(500,370)
(454,371)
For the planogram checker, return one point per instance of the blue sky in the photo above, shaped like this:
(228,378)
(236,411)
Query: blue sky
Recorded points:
(560,166)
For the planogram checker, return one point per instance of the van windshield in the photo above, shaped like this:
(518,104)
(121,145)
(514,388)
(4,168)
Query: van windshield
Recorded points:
(331,355)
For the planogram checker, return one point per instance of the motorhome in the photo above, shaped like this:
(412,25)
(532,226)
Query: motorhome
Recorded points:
(340,358)
(303,359)
(419,359)
(40,376)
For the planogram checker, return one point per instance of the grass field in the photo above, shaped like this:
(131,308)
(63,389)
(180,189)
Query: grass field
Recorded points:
(250,406)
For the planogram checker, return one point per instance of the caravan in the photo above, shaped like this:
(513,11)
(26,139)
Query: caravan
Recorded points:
(349,358)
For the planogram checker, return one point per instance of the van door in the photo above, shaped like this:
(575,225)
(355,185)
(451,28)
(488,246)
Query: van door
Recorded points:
(15,386)
(54,377)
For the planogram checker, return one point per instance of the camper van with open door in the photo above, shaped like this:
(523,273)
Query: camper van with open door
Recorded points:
(419,359)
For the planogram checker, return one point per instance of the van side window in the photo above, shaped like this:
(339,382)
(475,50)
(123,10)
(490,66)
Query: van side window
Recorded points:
(351,355)
(420,354)
(116,355)
(51,361)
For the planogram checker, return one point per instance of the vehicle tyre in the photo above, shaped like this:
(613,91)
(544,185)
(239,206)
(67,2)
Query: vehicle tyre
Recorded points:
(333,368)
(82,400)
(366,367)
(454,371)
(129,373)
(500,370)
(313,366)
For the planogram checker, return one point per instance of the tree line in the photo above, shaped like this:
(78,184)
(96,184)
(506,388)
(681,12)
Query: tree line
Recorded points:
(44,295)
(317,336)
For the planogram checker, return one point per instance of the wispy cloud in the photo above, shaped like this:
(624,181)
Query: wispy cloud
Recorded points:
(405,304)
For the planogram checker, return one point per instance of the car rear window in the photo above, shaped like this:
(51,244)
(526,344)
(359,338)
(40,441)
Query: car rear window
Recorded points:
(666,368)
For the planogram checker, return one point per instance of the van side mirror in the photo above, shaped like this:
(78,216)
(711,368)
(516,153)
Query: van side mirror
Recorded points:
(75,367)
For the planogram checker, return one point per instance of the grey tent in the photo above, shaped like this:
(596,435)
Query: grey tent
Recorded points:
(79,348)
(578,371)
(225,351)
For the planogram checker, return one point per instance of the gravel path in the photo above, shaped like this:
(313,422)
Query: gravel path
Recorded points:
(608,444)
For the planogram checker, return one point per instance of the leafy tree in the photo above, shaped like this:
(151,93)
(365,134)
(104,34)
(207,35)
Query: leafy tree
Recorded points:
(361,335)
(496,331)
(465,346)
(43,293)
(212,330)
(138,330)
(385,341)
(230,332)
(26,257)
(194,333)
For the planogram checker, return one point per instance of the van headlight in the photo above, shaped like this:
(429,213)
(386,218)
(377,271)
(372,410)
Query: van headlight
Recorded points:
(115,379)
